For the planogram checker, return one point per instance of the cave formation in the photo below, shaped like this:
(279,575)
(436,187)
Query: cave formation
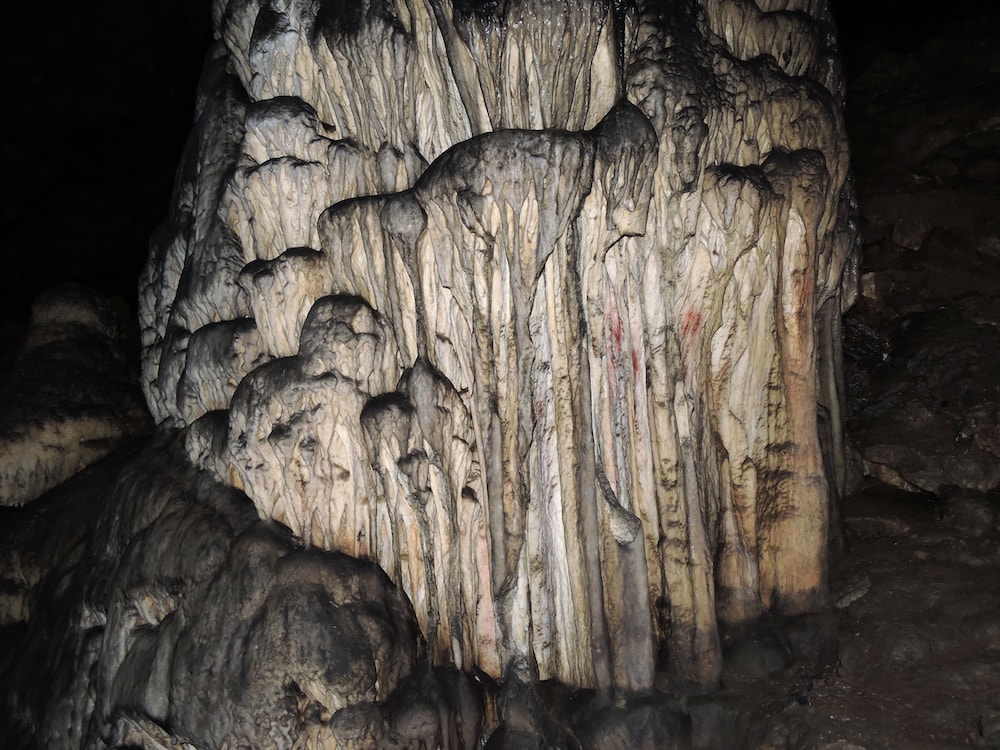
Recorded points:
(535,306)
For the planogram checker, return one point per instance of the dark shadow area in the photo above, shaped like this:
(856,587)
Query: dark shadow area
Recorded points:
(98,104)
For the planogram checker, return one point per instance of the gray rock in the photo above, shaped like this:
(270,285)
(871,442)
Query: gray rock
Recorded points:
(717,721)
(931,419)
(989,728)
(654,721)
(907,646)
(532,306)
(974,513)
(761,652)
(71,396)
(179,592)
(501,327)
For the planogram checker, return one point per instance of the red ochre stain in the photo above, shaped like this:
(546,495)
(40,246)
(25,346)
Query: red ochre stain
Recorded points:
(616,332)
(690,323)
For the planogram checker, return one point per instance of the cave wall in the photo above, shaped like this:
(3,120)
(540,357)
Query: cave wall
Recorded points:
(534,304)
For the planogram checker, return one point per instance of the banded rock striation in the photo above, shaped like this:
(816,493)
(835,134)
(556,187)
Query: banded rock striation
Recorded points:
(534,304)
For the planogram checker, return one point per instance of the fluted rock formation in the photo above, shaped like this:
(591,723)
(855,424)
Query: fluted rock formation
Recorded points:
(534,304)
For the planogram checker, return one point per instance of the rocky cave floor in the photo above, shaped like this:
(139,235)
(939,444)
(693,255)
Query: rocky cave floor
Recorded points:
(908,655)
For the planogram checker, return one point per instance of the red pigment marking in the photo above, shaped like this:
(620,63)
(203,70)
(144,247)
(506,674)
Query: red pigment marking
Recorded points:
(635,364)
(616,333)
(690,323)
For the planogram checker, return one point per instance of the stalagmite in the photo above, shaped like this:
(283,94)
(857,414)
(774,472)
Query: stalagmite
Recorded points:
(534,304)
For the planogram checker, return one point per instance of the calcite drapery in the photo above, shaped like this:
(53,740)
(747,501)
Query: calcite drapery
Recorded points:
(535,304)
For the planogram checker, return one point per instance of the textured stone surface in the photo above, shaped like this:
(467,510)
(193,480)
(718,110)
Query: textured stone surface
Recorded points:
(918,664)
(931,417)
(535,305)
(69,398)
(174,613)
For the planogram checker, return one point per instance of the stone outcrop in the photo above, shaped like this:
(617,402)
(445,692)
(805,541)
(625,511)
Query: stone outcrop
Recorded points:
(536,306)
(928,416)
(70,397)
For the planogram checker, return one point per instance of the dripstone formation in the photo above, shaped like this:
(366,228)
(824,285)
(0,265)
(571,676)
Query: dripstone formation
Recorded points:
(535,305)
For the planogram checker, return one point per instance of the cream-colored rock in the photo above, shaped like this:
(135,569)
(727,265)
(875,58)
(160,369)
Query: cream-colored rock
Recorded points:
(536,305)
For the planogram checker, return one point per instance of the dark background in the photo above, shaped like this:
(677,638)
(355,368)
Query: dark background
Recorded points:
(98,101)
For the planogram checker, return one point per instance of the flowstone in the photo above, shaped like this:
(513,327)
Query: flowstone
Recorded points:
(534,304)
